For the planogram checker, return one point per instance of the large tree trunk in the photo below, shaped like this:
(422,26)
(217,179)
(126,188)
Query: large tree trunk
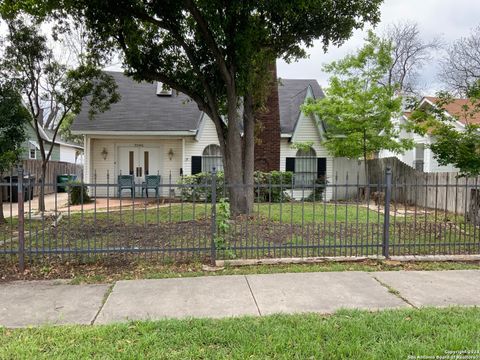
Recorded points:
(238,159)
(238,149)
(365,164)
(474,211)
(234,173)
(2,215)
(41,195)
(249,151)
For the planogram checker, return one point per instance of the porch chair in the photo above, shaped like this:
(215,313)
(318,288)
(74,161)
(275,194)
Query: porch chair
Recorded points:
(151,182)
(125,182)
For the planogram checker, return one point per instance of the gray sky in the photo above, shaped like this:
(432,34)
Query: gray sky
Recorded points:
(449,19)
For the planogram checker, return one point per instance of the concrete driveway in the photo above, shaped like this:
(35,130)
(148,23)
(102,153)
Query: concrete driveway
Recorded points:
(60,203)
(51,203)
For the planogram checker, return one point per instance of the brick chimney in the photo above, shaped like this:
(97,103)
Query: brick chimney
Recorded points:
(267,144)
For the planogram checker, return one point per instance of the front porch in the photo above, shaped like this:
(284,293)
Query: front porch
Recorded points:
(123,166)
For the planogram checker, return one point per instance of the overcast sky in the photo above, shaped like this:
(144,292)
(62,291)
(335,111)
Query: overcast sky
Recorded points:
(450,19)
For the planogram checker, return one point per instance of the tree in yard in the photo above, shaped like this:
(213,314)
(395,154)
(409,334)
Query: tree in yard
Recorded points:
(52,91)
(13,120)
(460,68)
(219,53)
(358,108)
(65,130)
(452,144)
(409,54)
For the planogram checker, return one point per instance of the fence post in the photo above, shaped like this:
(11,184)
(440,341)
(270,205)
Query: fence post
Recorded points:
(386,215)
(21,219)
(213,247)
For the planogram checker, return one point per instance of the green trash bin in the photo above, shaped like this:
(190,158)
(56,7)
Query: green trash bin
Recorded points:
(63,180)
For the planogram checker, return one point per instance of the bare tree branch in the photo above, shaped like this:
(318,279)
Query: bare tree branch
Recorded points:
(410,53)
(461,64)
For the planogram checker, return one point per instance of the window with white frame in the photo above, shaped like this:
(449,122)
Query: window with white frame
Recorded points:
(212,158)
(32,151)
(305,167)
(419,157)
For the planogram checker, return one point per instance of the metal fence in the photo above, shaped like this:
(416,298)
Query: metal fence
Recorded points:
(190,222)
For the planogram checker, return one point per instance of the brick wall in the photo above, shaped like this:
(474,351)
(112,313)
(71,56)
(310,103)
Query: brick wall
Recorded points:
(267,146)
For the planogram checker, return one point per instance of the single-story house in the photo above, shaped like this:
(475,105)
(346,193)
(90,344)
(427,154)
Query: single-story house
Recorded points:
(421,156)
(154,131)
(64,151)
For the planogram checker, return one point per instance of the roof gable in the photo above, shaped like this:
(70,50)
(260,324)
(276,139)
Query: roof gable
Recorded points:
(292,93)
(455,109)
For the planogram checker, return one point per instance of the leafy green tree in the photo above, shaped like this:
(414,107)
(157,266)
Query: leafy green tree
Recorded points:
(453,144)
(219,53)
(52,90)
(358,108)
(65,130)
(13,120)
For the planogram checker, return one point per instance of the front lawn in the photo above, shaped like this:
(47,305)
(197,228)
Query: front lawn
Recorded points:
(392,334)
(295,229)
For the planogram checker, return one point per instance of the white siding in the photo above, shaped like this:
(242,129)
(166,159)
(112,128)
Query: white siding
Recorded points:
(408,157)
(87,164)
(170,169)
(431,164)
(67,154)
(307,131)
(185,148)
(194,146)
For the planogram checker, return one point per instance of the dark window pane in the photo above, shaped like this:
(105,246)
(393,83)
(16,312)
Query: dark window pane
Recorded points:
(146,162)
(130,162)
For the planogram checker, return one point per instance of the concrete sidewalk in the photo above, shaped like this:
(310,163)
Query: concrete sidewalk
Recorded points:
(47,302)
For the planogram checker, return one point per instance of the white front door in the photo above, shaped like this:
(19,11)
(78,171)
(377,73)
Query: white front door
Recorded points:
(138,161)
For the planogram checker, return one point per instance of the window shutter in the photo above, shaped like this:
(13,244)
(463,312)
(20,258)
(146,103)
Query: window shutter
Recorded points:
(196,164)
(321,167)
(290,164)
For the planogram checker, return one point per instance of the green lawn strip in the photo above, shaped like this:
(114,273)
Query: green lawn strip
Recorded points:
(109,270)
(98,273)
(298,213)
(295,212)
(392,334)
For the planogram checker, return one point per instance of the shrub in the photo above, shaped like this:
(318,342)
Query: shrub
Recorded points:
(271,186)
(78,193)
(199,186)
(319,189)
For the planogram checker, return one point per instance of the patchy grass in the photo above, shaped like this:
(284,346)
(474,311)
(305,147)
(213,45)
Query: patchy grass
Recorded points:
(294,229)
(118,268)
(296,212)
(392,334)
(9,229)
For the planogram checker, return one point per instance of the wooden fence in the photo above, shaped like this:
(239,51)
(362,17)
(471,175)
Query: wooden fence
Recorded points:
(33,168)
(442,191)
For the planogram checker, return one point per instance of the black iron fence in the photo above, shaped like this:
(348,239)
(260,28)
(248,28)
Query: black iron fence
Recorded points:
(177,222)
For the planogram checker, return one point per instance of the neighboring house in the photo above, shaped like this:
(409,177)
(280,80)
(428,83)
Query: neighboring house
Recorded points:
(62,150)
(151,131)
(421,157)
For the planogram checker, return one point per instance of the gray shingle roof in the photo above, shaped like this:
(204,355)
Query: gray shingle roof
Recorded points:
(291,95)
(58,139)
(140,109)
